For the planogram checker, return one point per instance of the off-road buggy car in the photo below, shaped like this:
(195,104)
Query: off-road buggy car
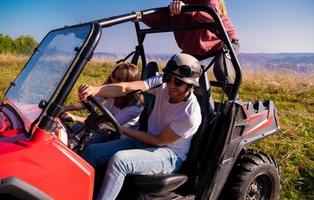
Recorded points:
(37,163)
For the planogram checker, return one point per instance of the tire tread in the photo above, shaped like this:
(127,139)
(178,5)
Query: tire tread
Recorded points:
(249,162)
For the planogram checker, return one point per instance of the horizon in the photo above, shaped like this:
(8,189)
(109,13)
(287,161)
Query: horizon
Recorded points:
(285,28)
(238,54)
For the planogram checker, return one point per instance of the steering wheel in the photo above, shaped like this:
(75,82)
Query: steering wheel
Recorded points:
(93,123)
(96,121)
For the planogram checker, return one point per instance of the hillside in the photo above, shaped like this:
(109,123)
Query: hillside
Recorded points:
(300,63)
(282,62)
(293,94)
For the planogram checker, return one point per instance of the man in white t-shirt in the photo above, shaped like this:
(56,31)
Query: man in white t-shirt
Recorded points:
(174,120)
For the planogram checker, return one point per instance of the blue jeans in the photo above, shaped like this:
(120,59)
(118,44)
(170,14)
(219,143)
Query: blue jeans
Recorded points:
(97,137)
(128,156)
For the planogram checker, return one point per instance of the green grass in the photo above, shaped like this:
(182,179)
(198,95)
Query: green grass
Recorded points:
(292,146)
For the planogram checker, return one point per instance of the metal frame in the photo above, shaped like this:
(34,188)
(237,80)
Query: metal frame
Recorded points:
(212,26)
(54,109)
(65,87)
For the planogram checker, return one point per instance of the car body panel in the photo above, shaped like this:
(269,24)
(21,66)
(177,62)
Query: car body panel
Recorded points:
(46,163)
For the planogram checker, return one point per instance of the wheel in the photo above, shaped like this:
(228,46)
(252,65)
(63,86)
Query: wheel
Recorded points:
(94,123)
(255,177)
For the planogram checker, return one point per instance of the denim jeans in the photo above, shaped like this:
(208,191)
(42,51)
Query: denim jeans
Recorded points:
(128,156)
(97,137)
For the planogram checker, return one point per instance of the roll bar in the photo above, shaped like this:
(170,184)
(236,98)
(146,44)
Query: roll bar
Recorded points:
(218,25)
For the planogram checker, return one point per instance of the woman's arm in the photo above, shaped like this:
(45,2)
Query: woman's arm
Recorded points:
(111,90)
(73,118)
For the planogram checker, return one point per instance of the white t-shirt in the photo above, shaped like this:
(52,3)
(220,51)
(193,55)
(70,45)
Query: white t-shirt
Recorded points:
(183,118)
(127,117)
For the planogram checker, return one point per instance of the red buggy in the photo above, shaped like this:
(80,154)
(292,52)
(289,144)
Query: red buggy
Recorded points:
(38,159)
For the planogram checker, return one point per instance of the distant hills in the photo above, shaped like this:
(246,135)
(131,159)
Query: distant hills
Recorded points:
(282,62)
(292,62)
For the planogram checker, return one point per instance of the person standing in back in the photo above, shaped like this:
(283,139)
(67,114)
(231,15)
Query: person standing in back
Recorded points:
(200,42)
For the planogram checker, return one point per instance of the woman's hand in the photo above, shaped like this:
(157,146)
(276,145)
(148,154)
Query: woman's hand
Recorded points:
(86,90)
(175,7)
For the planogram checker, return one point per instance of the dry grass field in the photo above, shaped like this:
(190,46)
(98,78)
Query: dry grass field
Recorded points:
(293,94)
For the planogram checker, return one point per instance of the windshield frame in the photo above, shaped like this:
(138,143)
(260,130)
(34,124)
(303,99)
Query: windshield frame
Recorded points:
(28,124)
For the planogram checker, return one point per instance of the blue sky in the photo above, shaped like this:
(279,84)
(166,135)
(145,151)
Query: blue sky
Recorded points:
(270,26)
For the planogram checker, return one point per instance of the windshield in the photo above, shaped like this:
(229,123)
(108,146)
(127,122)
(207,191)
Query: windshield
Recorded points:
(45,70)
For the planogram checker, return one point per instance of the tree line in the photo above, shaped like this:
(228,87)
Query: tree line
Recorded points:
(24,44)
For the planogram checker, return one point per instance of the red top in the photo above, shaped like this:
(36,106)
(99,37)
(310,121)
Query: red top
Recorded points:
(195,42)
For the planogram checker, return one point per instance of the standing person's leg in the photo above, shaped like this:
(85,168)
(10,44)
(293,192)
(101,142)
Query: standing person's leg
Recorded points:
(138,161)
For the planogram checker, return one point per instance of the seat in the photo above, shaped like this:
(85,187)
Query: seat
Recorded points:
(156,183)
(149,71)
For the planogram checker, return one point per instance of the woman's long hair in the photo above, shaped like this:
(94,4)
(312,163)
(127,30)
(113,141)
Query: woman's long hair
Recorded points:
(223,9)
(125,72)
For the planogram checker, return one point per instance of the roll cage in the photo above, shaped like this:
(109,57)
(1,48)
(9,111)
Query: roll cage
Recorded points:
(216,26)
(55,107)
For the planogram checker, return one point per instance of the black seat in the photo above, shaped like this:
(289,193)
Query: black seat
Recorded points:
(161,186)
(149,101)
(150,70)
(156,183)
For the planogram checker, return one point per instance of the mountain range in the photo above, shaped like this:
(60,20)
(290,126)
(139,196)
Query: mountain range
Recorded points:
(292,62)
(283,62)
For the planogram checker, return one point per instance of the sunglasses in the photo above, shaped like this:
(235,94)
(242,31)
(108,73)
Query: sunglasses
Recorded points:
(167,78)
(184,70)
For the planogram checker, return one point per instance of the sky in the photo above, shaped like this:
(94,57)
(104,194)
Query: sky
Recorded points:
(264,26)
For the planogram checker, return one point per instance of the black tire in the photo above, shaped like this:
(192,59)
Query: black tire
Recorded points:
(255,177)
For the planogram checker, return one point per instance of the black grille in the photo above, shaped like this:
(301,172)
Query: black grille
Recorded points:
(240,115)
(237,131)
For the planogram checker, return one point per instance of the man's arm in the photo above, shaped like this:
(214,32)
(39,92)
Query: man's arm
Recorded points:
(111,90)
(167,136)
